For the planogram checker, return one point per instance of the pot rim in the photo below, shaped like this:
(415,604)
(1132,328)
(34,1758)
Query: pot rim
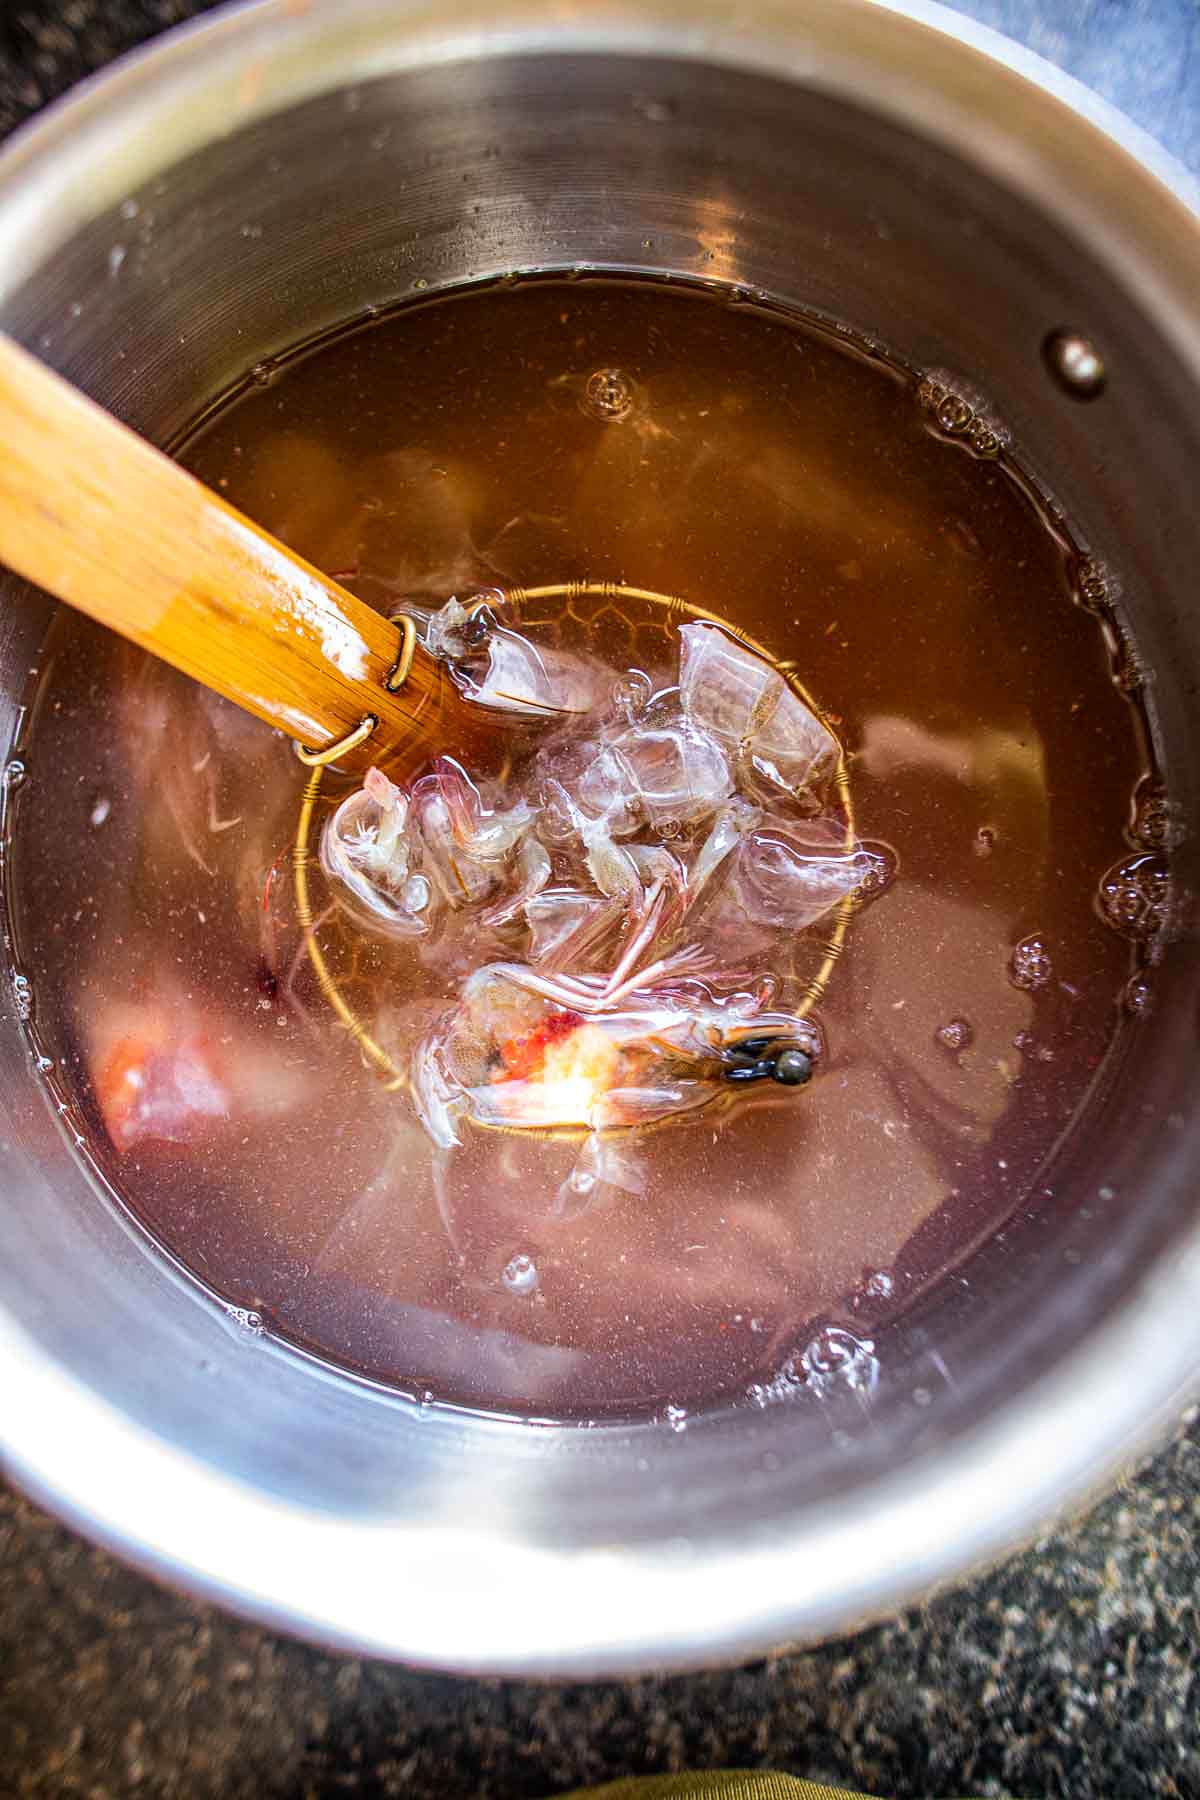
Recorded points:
(441,1594)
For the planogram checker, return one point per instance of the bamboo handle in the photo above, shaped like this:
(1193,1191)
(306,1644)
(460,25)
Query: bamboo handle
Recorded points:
(99,518)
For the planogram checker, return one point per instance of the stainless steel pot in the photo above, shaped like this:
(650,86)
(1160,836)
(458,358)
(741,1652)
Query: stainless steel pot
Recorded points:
(284,166)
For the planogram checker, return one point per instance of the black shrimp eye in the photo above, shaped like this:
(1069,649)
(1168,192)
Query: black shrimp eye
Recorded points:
(792,1068)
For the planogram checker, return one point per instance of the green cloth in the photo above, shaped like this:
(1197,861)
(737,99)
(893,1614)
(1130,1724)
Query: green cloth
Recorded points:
(714,1784)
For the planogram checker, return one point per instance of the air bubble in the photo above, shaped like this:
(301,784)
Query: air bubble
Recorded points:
(262,374)
(417,893)
(1031,967)
(14,774)
(955,1035)
(1076,364)
(116,258)
(953,414)
(1135,897)
(631,694)
(676,1417)
(984,441)
(609,395)
(1138,997)
(43,1064)
(984,841)
(129,209)
(101,808)
(880,1285)
(520,1275)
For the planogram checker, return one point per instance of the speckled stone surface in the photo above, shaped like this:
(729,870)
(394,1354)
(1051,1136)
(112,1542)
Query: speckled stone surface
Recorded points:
(1069,1671)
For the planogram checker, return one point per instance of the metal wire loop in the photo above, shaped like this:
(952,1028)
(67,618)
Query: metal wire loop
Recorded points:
(673,607)
(319,759)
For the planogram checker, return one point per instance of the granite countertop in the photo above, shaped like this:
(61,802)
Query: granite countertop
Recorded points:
(1070,1670)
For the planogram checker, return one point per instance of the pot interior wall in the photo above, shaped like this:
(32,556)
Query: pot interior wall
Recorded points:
(465,171)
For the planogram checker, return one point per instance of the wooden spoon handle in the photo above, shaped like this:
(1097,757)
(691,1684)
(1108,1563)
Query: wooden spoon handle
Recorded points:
(99,518)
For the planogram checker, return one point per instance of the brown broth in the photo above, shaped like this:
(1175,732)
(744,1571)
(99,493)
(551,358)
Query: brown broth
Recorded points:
(773,472)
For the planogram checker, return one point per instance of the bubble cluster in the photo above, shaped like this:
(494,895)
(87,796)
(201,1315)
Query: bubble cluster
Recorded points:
(1091,586)
(955,1036)
(1156,823)
(1031,967)
(881,864)
(609,395)
(955,416)
(22,996)
(781,1387)
(836,1358)
(1135,897)
(1129,672)
(246,1320)
(832,1361)
(1138,997)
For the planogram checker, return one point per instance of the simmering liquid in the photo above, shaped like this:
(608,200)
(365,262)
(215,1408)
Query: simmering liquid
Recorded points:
(866,525)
